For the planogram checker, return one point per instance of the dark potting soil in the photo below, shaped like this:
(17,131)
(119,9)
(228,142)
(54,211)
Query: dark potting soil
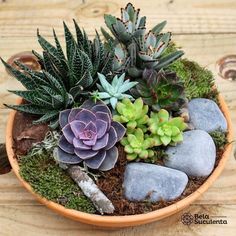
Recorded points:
(25,133)
(110,182)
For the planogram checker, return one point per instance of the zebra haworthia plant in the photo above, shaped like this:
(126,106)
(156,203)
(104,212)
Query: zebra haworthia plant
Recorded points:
(65,78)
(44,94)
(79,66)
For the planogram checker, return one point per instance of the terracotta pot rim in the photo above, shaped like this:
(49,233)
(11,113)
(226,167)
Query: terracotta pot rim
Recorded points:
(129,220)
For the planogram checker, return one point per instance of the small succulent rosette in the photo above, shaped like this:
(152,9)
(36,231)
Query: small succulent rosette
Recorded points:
(89,136)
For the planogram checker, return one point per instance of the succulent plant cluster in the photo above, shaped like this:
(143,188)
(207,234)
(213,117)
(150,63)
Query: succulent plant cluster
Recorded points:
(66,77)
(99,93)
(145,132)
(144,56)
(136,49)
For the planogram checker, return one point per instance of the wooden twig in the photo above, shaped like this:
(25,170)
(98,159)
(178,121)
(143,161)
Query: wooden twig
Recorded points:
(91,190)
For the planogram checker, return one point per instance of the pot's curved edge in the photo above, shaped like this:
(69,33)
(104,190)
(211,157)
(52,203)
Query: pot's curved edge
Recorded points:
(121,221)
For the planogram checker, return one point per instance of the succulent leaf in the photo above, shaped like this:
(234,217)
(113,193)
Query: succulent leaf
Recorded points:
(159,27)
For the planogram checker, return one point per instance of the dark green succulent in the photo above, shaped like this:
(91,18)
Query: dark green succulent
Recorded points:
(160,90)
(77,68)
(44,95)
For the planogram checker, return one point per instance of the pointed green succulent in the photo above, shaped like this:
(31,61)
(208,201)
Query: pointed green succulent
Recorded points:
(45,95)
(150,53)
(137,146)
(132,114)
(135,49)
(165,130)
(130,26)
(112,93)
(77,67)
(161,90)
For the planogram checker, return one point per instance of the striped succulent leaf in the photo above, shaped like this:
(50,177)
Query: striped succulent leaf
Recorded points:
(45,95)
(79,64)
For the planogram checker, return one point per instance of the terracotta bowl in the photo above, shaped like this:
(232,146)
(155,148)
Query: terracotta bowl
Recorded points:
(122,221)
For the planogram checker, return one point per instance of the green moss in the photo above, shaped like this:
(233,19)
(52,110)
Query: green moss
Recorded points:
(220,139)
(53,183)
(160,154)
(198,81)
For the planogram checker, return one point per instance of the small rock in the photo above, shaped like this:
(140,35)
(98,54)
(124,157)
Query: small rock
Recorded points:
(195,155)
(206,115)
(152,182)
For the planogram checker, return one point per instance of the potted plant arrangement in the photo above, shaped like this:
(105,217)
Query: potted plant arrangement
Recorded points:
(120,131)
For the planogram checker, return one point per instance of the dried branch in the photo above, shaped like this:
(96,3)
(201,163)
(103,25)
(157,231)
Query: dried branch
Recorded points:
(91,190)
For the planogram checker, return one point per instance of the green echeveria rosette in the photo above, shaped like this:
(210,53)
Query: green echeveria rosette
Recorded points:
(134,115)
(137,146)
(164,130)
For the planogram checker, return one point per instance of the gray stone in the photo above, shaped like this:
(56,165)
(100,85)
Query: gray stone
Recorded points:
(152,182)
(195,155)
(206,115)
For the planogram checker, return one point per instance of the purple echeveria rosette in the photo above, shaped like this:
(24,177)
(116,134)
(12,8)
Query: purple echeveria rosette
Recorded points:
(89,135)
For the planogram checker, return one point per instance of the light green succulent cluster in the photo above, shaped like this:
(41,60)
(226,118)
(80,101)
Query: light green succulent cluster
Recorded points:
(137,145)
(164,130)
(134,115)
(112,92)
(145,133)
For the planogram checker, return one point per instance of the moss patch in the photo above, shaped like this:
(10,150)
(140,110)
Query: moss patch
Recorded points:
(53,183)
(198,81)
(220,139)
